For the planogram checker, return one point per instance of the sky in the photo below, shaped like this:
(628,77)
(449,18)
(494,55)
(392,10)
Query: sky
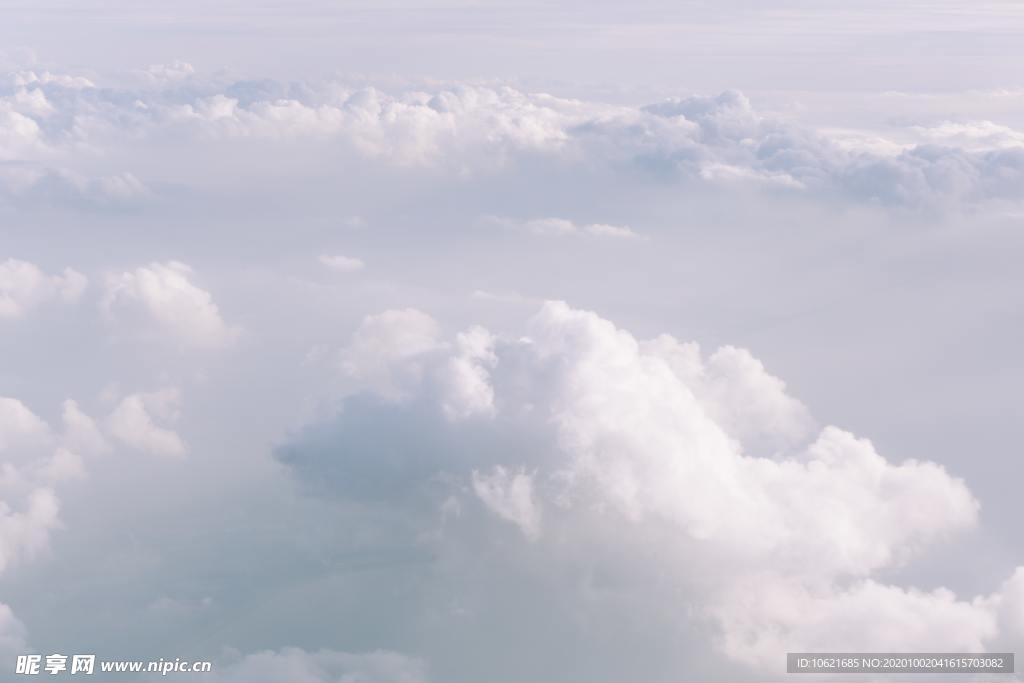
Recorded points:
(449,342)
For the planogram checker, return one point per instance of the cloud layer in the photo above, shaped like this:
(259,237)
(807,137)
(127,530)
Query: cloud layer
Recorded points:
(721,140)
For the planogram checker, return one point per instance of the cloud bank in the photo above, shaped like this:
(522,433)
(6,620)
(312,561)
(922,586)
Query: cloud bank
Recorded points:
(721,140)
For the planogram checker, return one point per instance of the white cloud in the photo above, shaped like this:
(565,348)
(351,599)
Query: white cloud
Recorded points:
(61,187)
(177,70)
(510,496)
(36,450)
(719,140)
(786,546)
(647,443)
(81,433)
(399,353)
(972,135)
(25,78)
(30,102)
(342,264)
(12,635)
(387,351)
(20,135)
(19,426)
(763,616)
(564,227)
(64,464)
(1008,604)
(24,286)
(466,379)
(132,423)
(734,388)
(160,302)
(23,534)
(32,460)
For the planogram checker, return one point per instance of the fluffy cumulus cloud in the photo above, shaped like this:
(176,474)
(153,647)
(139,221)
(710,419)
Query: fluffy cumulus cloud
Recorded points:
(81,433)
(133,422)
(24,286)
(466,378)
(388,350)
(641,438)
(765,615)
(19,425)
(702,461)
(718,139)
(737,391)
(33,460)
(24,532)
(159,302)
(36,459)
(36,161)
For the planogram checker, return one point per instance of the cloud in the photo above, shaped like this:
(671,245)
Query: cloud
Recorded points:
(562,227)
(763,616)
(638,436)
(342,264)
(132,423)
(23,534)
(19,426)
(12,635)
(33,452)
(716,140)
(27,185)
(387,350)
(24,286)
(34,459)
(81,433)
(465,381)
(37,462)
(767,614)
(160,74)
(737,392)
(651,449)
(973,135)
(656,431)
(19,135)
(159,302)
(510,496)
(65,464)
(1008,604)
(29,77)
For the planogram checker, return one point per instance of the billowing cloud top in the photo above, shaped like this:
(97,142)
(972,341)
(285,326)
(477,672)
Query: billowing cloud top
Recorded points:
(704,465)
